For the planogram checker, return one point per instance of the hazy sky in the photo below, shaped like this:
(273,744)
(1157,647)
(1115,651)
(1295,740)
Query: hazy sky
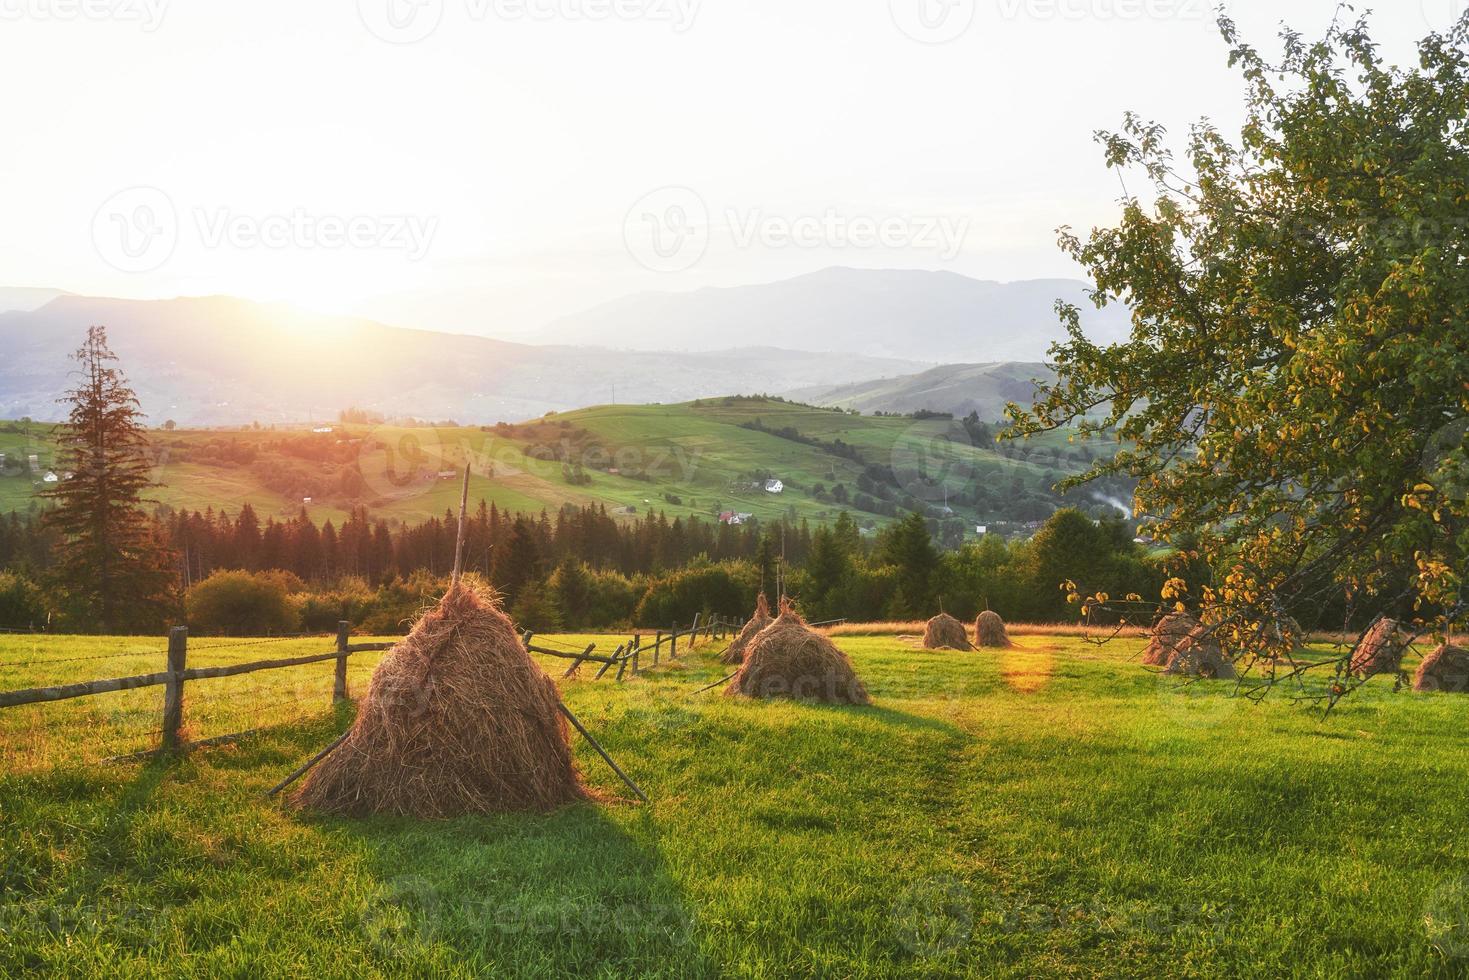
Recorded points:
(482,165)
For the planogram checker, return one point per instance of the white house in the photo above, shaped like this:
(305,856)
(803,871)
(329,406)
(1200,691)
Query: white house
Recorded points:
(774,486)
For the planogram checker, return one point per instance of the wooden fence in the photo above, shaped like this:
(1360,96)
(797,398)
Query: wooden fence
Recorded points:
(626,657)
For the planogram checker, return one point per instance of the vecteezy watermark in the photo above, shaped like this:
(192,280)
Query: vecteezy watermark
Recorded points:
(147,14)
(932,21)
(410,21)
(1446,460)
(933,917)
(136,229)
(932,459)
(1446,918)
(1114,10)
(669,230)
(139,228)
(1440,15)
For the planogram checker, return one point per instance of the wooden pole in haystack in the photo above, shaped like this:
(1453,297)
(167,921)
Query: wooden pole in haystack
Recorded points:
(459,540)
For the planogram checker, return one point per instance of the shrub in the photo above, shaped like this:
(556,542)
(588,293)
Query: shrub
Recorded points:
(241,604)
(21,606)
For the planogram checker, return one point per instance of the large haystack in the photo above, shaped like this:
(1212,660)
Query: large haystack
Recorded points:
(789,659)
(944,632)
(1381,650)
(458,719)
(735,652)
(989,630)
(1168,633)
(1199,655)
(1445,669)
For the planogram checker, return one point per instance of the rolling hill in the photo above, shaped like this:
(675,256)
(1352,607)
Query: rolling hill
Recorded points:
(956,388)
(702,457)
(929,316)
(222,361)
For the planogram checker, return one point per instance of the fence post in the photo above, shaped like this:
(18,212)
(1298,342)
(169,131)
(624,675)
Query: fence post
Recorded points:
(173,691)
(673,643)
(656,651)
(637,649)
(694,632)
(339,689)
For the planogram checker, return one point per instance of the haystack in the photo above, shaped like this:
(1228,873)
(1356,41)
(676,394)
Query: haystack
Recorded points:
(989,630)
(789,659)
(458,719)
(1199,655)
(1445,669)
(944,632)
(735,653)
(1381,650)
(1168,633)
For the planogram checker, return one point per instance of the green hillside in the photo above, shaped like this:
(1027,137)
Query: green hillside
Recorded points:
(695,458)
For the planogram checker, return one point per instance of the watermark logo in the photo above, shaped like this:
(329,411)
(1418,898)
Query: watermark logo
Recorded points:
(1446,918)
(1111,10)
(932,459)
(933,917)
(667,230)
(932,21)
(401,21)
(147,14)
(1441,15)
(404,912)
(1446,460)
(136,229)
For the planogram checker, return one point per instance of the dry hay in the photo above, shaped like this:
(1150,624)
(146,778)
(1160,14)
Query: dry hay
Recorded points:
(1445,669)
(735,652)
(1168,633)
(789,659)
(989,630)
(1381,650)
(458,719)
(1199,655)
(944,632)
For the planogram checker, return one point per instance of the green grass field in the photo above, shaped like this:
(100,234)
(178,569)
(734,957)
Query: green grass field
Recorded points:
(1055,810)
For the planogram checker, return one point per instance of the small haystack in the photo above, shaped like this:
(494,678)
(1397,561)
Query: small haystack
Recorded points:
(1199,655)
(458,719)
(1381,650)
(1445,669)
(735,653)
(789,659)
(944,632)
(1168,633)
(989,630)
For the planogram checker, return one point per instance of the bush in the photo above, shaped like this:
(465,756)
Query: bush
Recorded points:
(241,604)
(21,606)
(726,589)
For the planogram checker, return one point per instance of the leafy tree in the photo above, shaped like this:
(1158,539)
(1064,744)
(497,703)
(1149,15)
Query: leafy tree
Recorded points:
(242,604)
(908,547)
(114,570)
(1298,348)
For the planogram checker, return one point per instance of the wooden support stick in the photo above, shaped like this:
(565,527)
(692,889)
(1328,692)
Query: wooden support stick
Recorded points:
(722,680)
(459,541)
(601,751)
(309,763)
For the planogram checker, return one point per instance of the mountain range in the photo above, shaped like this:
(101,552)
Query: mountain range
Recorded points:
(940,317)
(864,339)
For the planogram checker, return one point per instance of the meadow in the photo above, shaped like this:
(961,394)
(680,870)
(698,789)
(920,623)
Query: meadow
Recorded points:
(1053,810)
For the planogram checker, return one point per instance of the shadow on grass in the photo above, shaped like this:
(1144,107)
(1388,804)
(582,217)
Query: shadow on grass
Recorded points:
(566,894)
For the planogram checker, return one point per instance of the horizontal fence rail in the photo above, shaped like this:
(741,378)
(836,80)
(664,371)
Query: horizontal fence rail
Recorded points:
(627,657)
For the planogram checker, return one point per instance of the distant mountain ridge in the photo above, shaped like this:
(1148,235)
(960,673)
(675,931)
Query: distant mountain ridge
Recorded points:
(940,317)
(957,388)
(221,360)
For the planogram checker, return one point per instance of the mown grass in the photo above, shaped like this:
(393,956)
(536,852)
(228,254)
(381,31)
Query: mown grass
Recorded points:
(1055,810)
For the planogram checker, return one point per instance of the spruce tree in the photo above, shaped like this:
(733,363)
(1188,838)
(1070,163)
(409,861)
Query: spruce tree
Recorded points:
(113,568)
